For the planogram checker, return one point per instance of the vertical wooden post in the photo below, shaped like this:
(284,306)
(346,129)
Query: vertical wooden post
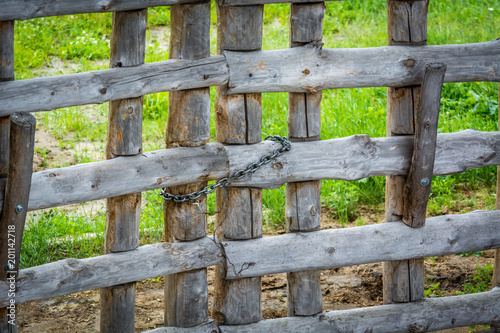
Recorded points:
(15,207)
(186,294)
(6,74)
(238,121)
(303,205)
(495,281)
(407,25)
(128,40)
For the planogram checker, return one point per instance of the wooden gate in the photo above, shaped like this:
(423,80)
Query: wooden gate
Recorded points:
(410,155)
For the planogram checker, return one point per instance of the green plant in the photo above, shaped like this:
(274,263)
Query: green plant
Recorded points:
(480,280)
(433,291)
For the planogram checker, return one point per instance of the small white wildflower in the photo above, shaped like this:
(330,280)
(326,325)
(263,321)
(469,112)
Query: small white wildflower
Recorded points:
(490,8)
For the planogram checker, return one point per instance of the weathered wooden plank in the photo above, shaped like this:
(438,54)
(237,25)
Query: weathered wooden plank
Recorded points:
(311,69)
(349,158)
(7,50)
(323,249)
(403,281)
(428,315)
(75,275)
(239,122)
(42,94)
(28,9)
(303,206)
(186,294)
(418,184)
(335,248)
(13,214)
(128,43)
(495,281)
(239,28)
(263,2)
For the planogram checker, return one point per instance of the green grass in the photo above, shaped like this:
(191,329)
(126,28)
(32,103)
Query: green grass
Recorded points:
(75,43)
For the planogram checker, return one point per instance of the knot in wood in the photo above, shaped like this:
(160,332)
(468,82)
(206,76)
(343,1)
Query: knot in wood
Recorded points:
(410,63)
(330,250)
(313,211)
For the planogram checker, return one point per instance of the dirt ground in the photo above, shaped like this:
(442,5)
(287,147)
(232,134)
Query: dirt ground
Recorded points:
(343,288)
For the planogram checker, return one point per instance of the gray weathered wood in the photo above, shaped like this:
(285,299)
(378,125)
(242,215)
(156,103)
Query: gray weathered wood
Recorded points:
(6,50)
(323,249)
(303,205)
(186,294)
(74,275)
(238,121)
(496,273)
(429,315)
(239,28)
(351,158)
(42,94)
(406,25)
(416,194)
(128,43)
(13,214)
(241,210)
(310,69)
(264,2)
(28,9)
(333,248)
(407,22)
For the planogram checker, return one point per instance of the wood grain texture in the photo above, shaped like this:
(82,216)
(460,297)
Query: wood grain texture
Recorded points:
(6,50)
(264,2)
(333,248)
(188,124)
(495,281)
(186,299)
(127,44)
(428,315)
(116,304)
(415,193)
(238,122)
(28,9)
(407,22)
(406,25)
(74,275)
(311,69)
(239,28)
(241,213)
(96,87)
(350,158)
(303,206)
(21,148)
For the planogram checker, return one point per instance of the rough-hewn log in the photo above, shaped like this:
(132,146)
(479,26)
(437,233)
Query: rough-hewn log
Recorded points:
(6,74)
(333,248)
(42,94)
(128,43)
(238,122)
(75,275)
(406,25)
(495,281)
(351,158)
(428,315)
(418,184)
(303,206)
(323,249)
(13,214)
(311,69)
(186,294)
(28,9)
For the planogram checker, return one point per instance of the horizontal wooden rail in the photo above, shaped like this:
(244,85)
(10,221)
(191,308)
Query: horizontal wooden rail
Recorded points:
(350,158)
(431,314)
(72,275)
(267,2)
(311,69)
(323,249)
(48,93)
(28,9)
(300,69)
(335,248)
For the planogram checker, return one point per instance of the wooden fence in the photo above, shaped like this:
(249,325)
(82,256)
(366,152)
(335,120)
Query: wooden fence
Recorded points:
(410,155)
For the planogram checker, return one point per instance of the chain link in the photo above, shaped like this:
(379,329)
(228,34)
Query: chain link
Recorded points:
(286,145)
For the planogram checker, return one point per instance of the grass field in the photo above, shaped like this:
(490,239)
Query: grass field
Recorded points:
(75,43)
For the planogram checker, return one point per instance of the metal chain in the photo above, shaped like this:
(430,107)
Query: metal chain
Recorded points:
(286,145)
